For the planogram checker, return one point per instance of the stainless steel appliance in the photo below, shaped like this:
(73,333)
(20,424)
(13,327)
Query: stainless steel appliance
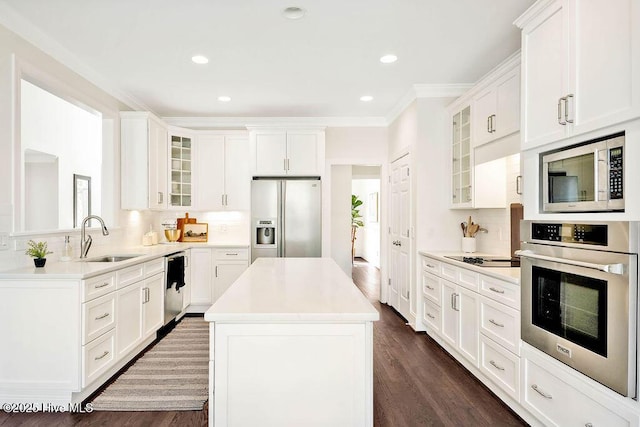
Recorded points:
(579,297)
(587,177)
(286,217)
(173,297)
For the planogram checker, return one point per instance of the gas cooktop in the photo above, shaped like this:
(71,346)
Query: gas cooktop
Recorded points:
(487,261)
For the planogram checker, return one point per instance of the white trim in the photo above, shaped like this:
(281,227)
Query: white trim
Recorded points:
(14,22)
(247,122)
(531,13)
(427,91)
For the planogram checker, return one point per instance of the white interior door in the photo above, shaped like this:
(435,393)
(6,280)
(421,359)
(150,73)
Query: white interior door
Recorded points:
(400,247)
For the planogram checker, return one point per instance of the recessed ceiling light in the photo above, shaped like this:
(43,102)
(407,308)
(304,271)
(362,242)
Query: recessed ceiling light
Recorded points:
(293,12)
(224,98)
(366,98)
(388,59)
(200,59)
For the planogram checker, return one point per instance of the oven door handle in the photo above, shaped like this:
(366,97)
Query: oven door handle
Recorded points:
(607,268)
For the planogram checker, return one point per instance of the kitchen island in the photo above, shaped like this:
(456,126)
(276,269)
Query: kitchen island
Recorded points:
(291,343)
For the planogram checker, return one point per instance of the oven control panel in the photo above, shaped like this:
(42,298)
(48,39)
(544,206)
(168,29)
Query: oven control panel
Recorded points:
(588,234)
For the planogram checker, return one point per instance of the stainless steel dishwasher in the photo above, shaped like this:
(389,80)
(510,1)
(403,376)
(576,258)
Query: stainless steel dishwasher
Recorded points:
(173,298)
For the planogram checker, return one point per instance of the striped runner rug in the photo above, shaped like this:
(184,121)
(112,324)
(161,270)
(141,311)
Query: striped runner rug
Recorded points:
(172,376)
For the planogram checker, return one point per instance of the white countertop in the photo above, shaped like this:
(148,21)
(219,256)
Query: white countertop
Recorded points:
(77,269)
(509,274)
(291,290)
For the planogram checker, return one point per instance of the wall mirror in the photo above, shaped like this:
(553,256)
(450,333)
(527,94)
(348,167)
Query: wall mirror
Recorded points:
(81,198)
(60,143)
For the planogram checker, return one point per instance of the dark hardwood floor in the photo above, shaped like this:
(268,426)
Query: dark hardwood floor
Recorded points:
(416,383)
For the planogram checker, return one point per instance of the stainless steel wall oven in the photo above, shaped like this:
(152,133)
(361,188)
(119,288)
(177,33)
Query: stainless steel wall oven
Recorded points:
(579,297)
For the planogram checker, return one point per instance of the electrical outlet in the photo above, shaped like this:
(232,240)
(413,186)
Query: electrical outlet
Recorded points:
(4,241)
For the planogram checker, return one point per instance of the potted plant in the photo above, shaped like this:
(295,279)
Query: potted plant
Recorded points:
(37,250)
(355,222)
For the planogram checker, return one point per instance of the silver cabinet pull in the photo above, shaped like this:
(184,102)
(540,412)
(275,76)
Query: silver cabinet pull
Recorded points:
(431,288)
(560,102)
(566,108)
(500,325)
(431,316)
(101,357)
(495,365)
(519,184)
(431,266)
(498,291)
(588,425)
(216,271)
(103,316)
(229,253)
(493,123)
(540,392)
(101,286)
(489,124)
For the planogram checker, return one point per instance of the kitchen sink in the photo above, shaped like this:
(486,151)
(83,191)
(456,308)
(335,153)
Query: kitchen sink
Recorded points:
(111,258)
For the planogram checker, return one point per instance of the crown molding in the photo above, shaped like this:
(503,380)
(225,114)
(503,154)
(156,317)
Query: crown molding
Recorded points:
(244,122)
(427,91)
(15,23)
(531,13)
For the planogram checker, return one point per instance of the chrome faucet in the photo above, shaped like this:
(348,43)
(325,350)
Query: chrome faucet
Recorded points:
(85,243)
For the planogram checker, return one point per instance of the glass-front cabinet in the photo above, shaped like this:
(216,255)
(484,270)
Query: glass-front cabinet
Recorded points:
(461,168)
(180,166)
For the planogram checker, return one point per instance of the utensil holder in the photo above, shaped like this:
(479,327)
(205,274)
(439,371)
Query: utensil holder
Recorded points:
(468,244)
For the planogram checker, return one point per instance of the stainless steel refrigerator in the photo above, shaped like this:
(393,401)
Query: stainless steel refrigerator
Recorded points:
(286,217)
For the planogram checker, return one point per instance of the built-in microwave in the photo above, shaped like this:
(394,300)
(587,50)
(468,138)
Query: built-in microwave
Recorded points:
(588,177)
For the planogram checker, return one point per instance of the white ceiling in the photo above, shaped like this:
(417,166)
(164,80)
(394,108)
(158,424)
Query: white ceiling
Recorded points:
(318,66)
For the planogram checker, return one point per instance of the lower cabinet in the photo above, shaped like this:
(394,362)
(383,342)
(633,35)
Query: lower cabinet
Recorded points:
(152,304)
(460,319)
(212,271)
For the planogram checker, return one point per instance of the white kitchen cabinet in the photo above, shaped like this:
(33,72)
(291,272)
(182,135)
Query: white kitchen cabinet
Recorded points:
(496,108)
(201,277)
(180,168)
(186,289)
(460,319)
(229,264)
(223,180)
(129,308)
(153,304)
(461,160)
(558,396)
(143,161)
(579,62)
(290,152)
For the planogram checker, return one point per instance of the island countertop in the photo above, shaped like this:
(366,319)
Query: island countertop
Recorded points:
(291,290)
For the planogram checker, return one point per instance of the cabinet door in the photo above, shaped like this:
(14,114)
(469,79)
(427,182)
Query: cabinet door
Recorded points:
(302,153)
(450,317)
(507,115)
(225,274)
(484,110)
(186,289)
(129,315)
(271,153)
(210,154)
(201,276)
(237,178)
(158,166)
(544,73)
(467,303)
(461,159)
(153,304)
(605,50)
(180,170)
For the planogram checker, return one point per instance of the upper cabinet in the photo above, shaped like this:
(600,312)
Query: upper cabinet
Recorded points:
(291,152)
(579,67)
(222,171)
(497,106)
(144,161)
(461,158)
(180,164)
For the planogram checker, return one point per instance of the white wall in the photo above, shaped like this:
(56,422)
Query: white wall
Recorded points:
(341,216)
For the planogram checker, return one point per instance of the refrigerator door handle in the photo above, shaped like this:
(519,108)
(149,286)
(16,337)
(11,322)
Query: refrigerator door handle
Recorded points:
(282,234)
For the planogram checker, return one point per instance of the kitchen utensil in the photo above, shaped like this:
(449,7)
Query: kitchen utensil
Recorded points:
(463,225)
(172,235)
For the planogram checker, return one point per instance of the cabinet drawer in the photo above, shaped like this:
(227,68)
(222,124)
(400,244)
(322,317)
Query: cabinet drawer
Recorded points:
(98,356)
(98,286)
(431,287)
(431,265)
(231,253)
(129,275)
(449,272)
(154,267)
(556,402)
(500,323)
(501,291)
(468,279)
(431,315)
(501,366)
(98,316)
